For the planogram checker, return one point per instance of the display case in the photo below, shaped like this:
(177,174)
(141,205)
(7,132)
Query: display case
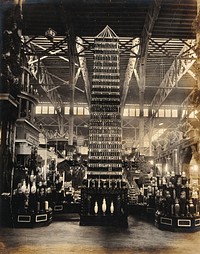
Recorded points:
(177,205)
(104,202)
(30,199)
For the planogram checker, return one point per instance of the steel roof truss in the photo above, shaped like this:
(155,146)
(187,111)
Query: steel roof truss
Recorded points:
(178,68)
(159,47)
(50,53)
(83,67)
(129,72)
(87,46)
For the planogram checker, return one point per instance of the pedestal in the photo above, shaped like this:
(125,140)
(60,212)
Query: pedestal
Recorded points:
(104,207)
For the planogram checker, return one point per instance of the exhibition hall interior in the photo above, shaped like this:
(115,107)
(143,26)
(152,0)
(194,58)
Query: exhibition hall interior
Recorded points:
(100,126)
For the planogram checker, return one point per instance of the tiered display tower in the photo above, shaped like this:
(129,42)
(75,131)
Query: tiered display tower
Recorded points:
(177,205)
(31,204)
(104,196)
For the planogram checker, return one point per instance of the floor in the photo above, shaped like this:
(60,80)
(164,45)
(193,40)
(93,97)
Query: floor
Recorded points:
(63,237)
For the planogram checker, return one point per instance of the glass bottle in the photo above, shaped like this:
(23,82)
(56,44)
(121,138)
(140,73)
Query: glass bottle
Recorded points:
(176,207)
(104,205)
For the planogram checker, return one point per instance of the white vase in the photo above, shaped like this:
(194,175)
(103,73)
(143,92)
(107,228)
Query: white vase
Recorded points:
(112,208)
(33,188)
(176,207)
(104,205)
(46,205)
(96,208)
(28,189)
(23,188)
(32,176)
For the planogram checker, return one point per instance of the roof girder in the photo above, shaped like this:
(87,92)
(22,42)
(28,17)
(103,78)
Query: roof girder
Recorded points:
(179,67)
(129,71)
(83,67)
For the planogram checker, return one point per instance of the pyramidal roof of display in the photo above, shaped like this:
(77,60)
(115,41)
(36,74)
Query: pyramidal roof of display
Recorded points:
(107,32)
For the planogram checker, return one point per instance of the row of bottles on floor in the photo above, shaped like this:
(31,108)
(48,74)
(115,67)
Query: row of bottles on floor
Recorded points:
(104,207)
(101,205)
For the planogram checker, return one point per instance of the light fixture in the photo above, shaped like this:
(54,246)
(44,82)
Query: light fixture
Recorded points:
(50,33)
(160,124)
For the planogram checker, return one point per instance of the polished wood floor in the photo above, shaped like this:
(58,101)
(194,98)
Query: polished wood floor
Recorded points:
(63,237)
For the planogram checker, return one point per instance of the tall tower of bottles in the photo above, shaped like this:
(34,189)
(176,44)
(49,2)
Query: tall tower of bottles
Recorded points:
(105,160)
(104,195)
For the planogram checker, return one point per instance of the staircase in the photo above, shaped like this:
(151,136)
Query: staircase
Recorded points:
(133,192)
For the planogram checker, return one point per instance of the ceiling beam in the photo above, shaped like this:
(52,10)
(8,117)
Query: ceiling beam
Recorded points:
(176,71)
(50,52)
(47,84)
(36,68)
(150,19)
(66,18)
(83,67)
(40,73)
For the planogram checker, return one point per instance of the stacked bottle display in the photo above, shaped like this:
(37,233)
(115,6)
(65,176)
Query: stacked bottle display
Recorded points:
(105,146)
(31,196)
(176,198)
(31,192)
